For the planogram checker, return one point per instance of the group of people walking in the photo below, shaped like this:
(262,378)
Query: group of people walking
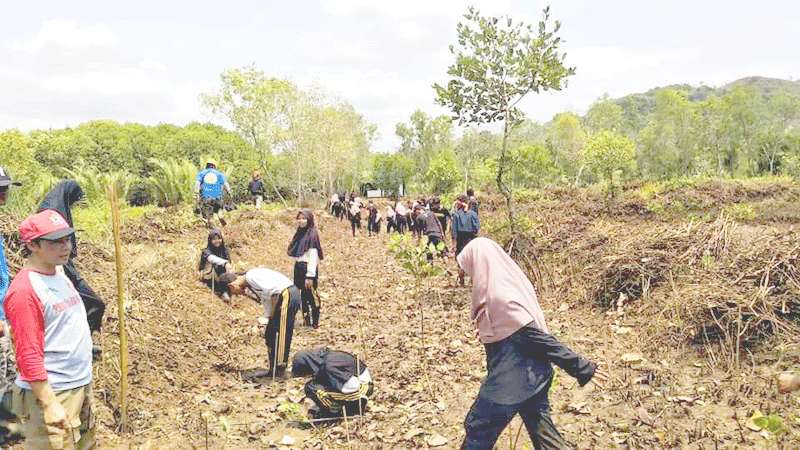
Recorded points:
(51,314)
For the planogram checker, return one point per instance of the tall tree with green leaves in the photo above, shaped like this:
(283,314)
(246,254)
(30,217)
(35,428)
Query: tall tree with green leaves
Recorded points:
(565,139)
(608,153)
(498,62)
(474,147)
(423,136)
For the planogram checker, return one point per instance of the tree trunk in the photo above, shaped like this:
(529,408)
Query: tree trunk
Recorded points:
(501,185)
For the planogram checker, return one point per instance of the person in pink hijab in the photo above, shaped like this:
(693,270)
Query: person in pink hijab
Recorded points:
(520,351)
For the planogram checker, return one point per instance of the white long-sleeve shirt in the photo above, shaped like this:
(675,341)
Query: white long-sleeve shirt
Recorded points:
(401,209)
(265,283)
(310,257)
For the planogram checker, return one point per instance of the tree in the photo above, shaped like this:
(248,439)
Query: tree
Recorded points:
(607,153)
(442,175)
(531,166)
(390,171)
(565,139)
(604,115)
(424,136)
(473,147)
(498,63)
(667,143)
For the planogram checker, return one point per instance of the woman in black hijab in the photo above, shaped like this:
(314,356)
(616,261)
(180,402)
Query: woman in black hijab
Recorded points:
(215,260)
(306,250)
(61,198)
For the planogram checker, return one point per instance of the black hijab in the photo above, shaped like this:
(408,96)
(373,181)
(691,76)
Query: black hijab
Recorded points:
(61,198)
(305,237)
(220,251)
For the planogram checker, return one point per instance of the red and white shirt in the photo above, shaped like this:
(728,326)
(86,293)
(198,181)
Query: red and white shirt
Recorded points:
(51,336)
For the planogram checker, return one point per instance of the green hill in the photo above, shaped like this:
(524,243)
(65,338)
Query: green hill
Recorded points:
(643,103)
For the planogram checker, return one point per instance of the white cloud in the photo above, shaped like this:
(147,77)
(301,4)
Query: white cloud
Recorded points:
(412,8)
(68,34)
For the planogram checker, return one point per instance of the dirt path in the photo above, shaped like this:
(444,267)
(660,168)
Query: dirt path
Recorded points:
(190,349)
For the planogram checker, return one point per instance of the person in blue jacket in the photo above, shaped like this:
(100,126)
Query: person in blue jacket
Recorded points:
(210,188)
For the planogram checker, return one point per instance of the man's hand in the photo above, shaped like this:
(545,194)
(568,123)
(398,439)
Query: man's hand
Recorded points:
(54,417)
(309,283)
(2,329)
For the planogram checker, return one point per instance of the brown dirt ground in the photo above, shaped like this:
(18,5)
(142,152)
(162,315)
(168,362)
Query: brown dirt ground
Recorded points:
(188,351)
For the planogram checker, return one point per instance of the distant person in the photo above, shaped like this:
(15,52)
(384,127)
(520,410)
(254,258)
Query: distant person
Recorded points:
(341,383)
(441,213)
(210,189)
(400,216)
(306,250)
(373,219)
(215,261)
(466,225)
(8,366)
(391,218)
(256,188)
(519,351)
(61,199)
(281,300)
(471,198)
(53,343)
(429,226)
(355,214)
(336,205)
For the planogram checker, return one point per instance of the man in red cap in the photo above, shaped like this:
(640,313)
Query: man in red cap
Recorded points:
(53,390)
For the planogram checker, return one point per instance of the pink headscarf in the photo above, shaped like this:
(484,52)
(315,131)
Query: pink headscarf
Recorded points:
(503,299)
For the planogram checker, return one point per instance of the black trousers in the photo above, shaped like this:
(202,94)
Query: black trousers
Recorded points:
(336,404)
(401,224)
(486,420)
(435,240)
(280,329)
(309,297)
(94,305)
(390,225)
(355,222)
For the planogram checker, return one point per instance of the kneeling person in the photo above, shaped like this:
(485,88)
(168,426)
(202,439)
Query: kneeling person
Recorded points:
(53,391)
(340,385)
(281,300)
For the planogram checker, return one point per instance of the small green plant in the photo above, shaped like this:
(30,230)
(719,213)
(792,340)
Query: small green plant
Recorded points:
(772,424)
(291,412)
(740,212)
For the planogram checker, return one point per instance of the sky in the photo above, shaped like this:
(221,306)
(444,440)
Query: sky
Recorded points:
(63,63)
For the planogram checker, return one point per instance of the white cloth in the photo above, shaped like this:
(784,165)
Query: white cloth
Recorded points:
(354,383)
(401,209)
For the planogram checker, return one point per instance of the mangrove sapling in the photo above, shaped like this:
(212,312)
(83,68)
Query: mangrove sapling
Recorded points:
(414,259)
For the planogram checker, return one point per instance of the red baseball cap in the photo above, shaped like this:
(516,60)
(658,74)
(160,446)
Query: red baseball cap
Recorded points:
(48,225)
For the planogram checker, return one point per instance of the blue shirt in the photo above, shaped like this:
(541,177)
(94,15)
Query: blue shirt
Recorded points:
(211,183)
(4,277)
(465,222)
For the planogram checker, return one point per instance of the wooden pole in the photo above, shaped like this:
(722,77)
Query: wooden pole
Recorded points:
(123,335)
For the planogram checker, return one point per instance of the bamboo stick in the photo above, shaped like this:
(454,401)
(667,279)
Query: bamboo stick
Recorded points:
(123,335)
